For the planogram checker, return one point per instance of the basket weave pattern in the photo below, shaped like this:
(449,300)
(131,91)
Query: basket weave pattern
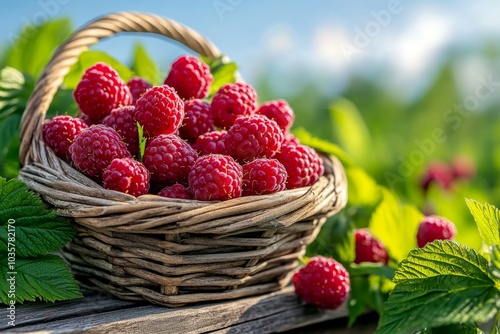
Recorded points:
(170,252)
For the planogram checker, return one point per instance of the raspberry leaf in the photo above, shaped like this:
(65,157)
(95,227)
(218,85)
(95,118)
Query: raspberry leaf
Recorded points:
(142,141)
(222,70)
(144,66)
(37,231)
(44,277)
(441,284)
(487,218)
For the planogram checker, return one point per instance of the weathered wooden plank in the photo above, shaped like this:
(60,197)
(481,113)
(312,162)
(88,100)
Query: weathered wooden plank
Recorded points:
(275,312)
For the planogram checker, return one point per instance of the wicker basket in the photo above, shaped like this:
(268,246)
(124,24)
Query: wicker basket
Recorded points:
(169,252)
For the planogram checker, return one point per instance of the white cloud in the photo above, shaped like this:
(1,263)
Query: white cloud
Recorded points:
(279,39)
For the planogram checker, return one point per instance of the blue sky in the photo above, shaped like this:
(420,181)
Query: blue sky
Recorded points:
(295,38)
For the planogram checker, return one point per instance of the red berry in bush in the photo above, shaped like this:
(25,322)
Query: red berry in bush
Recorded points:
(160,111)
(231,101)
(198,119)
(138,86)
(122,120)
(128,176)
(100,91)
(438,173)
(369,249)
(216,177)
(263,176)
(302,163)
(253,137)
(176,191)
(169,158)
(434,228)
(323,282)
(59,133)
(190,77)
(280,112)
(211,143)
(462,167)
(95,148)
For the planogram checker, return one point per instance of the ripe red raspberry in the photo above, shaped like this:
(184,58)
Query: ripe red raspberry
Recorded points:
(138,86)
(128,176)
(302,163)
(190,77)
(323,282)
(86,119)
(59,133)
(435,228)
(439,173)
(463,167)
(231,101)
(369,249)
(169,158)
(211,143)
(160,111)
(122,120)
(100,91)
(95,148)
(264,176)
(176,191)
(198,119)
(290,139)
(216,177)
(253,137)
(280,112)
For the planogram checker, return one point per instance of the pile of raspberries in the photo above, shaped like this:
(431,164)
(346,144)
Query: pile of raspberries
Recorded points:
(196,148)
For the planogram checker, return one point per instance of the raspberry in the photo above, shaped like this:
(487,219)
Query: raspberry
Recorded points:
(128,176)
(122,120)
(253,137)
(302,163)
(463,168)
(176,191)
(439,173)
(216,177)
(138,86)
(160,111)
(211,143)
(198,119)
(169,158)
(190,77)
(100,91)
(290,139)
(369,249)
(60,132)
(231,101)
(280,112)
(263,176)
(434,228)
(86,119)
(323,282)
(95,148)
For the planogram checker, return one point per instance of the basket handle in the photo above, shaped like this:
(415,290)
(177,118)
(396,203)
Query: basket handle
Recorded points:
(68,53)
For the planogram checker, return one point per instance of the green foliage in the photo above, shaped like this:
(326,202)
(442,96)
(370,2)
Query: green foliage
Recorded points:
(144,66)
(142,141)
(223,71)
(487,218)
(28,234)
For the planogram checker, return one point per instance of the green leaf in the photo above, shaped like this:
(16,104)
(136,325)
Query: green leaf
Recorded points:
(36,230)
(144,66)
(44,277)
(452,329)
(15,89)
(441,284)
(142,141)
(487,218)
(88,59)
(367,293)
(222,70)
(362,190)
(395,225)
(494,269)
(367,268)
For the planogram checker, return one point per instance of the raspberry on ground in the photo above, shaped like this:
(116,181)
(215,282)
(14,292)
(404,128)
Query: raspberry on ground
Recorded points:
(128,176)
(435,228)
(138,86)
(216,177)
(369,249)
(160,111)
(323,282)
(263,176)
(231,101)
(176,191)
(190,77)
(280,112)
(198,119)
(253,137)
(100,91)
(122,120)
(95,148)
(302,163)
(169,158)
(211,143)
(59,133)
